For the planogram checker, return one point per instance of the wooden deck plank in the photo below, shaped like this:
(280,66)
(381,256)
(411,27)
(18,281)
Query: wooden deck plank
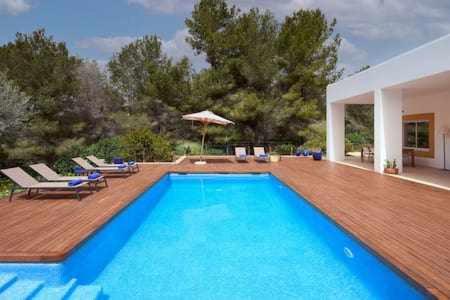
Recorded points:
(406,223)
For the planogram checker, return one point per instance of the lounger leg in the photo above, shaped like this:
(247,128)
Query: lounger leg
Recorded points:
(29,193)
(77,193)
(106,182)
(11,193)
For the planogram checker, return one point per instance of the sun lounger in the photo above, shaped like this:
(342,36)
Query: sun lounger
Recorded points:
(101,163)
(119,169)
(50,175)
(25,181)
(260,154)
(240,153)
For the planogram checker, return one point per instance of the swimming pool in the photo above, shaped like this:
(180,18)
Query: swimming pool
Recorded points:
(224,236)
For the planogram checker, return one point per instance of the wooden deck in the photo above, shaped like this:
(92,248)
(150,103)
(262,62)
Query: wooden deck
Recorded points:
(408,224)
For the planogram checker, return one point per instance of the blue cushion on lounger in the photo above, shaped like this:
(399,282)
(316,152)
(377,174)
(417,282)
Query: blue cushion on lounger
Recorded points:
(263,155)
(117,160)
(242,155)
(75,182)
(94,176)
(78,170)
(131,162)
(122,166)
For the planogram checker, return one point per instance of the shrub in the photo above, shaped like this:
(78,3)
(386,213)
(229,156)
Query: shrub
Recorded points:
(285,149)
(144,145)
(107,148)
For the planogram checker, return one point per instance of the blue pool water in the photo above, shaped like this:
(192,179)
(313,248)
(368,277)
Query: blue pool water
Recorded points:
(223,236)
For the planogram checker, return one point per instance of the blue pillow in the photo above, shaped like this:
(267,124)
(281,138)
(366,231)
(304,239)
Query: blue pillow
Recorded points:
(94,176)
(117,160)
(75,182)
(78,170)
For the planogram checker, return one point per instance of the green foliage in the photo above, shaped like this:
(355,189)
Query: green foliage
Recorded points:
(359,124)
(285,149)
(316,136)
(143,145)
(268,76)
(208,27)
(5,187)
(107,148)
(13,115)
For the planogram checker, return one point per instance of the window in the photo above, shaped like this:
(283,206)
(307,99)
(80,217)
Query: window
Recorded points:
(418,134)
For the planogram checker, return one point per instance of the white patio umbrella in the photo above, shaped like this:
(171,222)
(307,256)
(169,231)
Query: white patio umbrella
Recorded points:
(206,117)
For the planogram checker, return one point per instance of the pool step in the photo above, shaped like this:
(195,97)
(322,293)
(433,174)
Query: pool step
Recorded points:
(22,290)
(56,293)
(6,280)
(14,288)
(86,292)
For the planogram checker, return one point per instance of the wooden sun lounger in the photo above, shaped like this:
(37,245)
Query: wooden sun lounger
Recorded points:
(50,175)
(240,154)
(90,168)
(101,163)
(260,154)
(25,181)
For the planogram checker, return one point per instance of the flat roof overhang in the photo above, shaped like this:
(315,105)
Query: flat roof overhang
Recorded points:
(424,69)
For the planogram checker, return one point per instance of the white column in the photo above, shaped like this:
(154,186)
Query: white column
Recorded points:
(388,128)
(335,131)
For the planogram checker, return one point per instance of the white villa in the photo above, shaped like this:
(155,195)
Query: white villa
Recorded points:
(411,98)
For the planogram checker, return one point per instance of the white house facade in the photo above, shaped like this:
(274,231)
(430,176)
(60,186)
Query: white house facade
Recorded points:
(411,98)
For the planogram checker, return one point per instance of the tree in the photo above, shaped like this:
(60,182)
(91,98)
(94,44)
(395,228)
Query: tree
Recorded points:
(96,101)
(14,113)
(208,26)
(130,69)
(45,71)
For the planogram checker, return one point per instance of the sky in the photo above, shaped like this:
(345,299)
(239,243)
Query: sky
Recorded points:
(372,30)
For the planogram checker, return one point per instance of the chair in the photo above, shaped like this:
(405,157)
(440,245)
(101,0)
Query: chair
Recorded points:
(25,181)
(367,151)
(260,154)
(101,163)
(240,154)
(50,175)
(119,169)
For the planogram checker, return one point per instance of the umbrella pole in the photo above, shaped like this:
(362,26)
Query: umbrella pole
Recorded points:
(205,128)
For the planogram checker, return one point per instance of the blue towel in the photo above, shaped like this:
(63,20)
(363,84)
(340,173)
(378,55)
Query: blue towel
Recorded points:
(263,155)
(94,176)
(75,182)
(78,170)
(117,160)
(122,166)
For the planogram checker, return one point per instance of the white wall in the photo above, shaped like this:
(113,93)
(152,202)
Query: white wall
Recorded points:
(387,128)
(336,131)
(439,104)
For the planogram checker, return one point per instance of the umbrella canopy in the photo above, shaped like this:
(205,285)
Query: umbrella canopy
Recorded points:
(206,117)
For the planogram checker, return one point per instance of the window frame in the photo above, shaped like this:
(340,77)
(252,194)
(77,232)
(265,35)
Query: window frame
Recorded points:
(419,118)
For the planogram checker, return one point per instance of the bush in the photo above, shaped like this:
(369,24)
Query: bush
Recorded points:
(285,149)
(5,187)
(183,147)
(144,145)
(107,148)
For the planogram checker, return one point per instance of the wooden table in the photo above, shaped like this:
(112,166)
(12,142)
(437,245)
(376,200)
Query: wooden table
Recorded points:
(412,154)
